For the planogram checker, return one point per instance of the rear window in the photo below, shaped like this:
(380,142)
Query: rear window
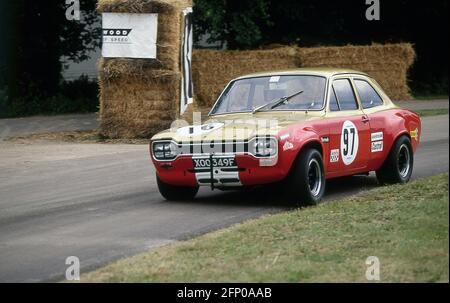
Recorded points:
(369,97)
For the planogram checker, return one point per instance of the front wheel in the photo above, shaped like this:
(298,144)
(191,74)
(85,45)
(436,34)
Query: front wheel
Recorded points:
(176,193)
(398,166)
(306,182)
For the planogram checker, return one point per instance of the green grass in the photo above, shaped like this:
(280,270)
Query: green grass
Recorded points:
(405,226)
(432,112)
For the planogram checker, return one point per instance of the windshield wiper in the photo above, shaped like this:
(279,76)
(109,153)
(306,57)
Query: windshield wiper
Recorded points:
(277,102)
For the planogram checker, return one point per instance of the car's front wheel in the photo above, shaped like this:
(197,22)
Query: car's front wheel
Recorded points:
(306,182)
(398,166)
(176,193)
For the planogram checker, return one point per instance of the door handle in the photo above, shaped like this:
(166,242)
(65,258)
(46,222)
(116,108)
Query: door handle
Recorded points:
(365,119)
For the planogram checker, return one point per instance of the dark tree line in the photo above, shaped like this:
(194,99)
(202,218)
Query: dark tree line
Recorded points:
(35,35)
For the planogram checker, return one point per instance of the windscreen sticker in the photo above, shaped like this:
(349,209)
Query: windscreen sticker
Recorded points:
(274,79)
(349,142)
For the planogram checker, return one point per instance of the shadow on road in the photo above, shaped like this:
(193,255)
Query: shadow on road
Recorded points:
(268,196)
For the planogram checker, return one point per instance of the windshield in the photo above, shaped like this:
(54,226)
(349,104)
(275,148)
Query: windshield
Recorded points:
(247,94)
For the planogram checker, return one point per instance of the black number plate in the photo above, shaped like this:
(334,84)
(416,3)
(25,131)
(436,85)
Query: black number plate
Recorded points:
(216,162)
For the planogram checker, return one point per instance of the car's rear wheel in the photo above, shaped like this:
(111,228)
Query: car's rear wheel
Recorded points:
(176,193)
(306,182)
(398,166)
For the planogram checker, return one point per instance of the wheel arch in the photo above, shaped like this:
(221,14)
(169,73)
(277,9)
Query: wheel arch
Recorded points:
(311,143)
(314,143)
(398,136)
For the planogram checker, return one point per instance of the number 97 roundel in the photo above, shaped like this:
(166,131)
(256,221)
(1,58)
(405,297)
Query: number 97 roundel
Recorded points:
(349,142)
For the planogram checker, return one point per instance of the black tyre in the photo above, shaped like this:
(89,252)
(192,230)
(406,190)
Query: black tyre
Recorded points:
(306,182)
(176,193)
(398,166)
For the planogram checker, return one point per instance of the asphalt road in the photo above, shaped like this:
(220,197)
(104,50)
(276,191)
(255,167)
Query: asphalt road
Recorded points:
(100,203)
(40,124)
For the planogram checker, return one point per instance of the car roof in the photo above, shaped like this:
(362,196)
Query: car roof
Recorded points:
(319,71)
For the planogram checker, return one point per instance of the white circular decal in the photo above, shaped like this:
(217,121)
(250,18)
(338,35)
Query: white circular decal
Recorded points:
(196,130)
(349,142)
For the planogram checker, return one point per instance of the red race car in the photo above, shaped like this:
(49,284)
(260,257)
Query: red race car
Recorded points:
(298,128)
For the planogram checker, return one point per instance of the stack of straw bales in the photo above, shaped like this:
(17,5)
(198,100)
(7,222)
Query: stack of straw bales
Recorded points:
(212,70)
(139,97)
(388,64)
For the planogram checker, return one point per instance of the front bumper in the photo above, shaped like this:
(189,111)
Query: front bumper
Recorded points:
(247,172)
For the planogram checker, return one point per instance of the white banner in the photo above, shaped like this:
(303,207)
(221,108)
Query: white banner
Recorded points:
(129,35)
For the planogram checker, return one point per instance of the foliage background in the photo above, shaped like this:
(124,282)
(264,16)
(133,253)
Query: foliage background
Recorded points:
(35,35)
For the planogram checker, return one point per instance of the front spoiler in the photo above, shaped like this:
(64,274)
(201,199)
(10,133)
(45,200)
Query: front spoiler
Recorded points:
(249,171)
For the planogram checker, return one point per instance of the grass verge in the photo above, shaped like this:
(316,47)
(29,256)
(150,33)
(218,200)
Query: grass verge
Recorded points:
(432,112)
(405,226)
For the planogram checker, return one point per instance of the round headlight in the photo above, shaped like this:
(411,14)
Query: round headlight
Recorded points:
(264,147)
(165,150)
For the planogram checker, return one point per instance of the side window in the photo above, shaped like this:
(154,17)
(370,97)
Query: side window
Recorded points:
(344,94)
(334,106)
(369,97)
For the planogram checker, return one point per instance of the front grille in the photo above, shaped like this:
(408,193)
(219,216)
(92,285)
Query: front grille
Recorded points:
(257,146)
(217,147)
(208,169)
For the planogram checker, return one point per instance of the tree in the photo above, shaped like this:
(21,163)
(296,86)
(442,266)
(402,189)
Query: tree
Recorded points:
(36,35)
(236,22)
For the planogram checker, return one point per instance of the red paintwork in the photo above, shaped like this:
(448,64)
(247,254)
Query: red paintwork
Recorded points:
(179,173)
(393,123)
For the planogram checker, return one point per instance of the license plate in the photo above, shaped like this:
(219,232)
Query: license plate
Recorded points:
(216,162)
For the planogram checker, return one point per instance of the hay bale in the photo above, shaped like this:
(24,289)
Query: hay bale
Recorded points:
(139,97)
(388,64)
(136,69)
(138,109)
(141,6)
(212,70)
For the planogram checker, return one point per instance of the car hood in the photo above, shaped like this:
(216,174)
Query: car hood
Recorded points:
(238,126)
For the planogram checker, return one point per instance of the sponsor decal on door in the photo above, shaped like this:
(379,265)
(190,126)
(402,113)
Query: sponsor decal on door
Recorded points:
(377,142)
